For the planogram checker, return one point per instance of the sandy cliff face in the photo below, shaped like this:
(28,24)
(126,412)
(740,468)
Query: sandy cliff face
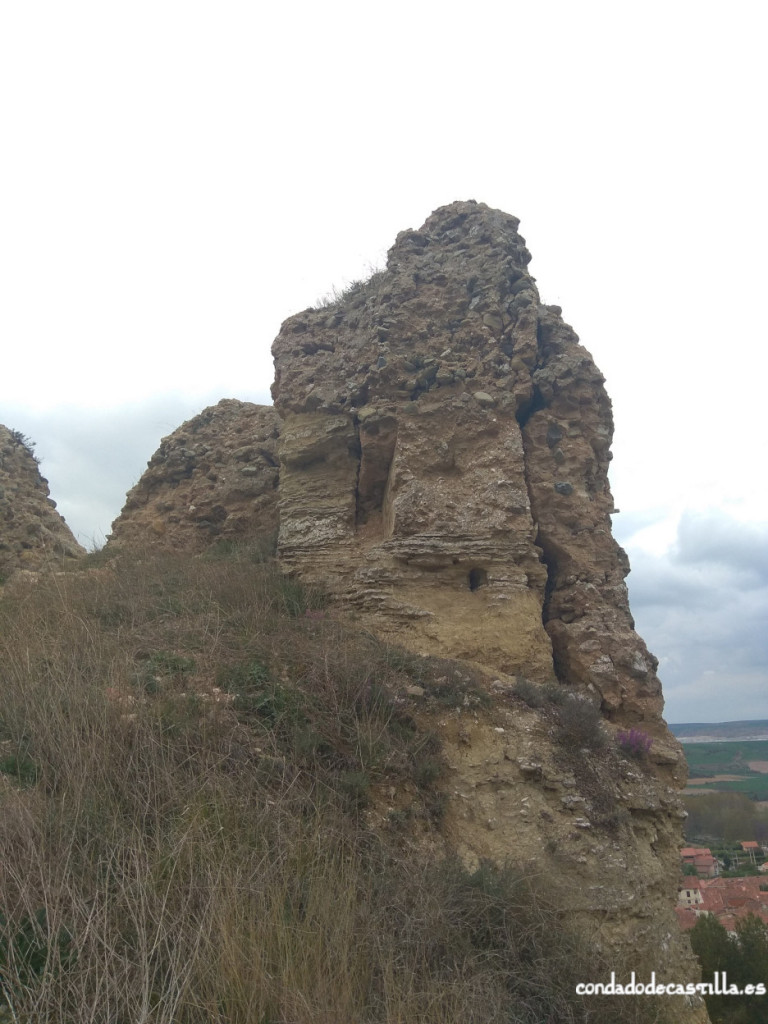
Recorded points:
(32,533)
(444,449)
(215,478)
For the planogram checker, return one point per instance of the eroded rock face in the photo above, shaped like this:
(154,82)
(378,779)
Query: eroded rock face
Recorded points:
(444,449)
(567,436)
(215,478)
(32,533)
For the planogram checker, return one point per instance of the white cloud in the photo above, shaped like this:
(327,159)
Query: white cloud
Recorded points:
(702,610)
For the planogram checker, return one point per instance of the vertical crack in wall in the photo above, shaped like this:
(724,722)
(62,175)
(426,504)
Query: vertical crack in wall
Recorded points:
(547,554)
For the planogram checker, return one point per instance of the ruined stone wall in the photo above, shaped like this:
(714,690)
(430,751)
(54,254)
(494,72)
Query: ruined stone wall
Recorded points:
(403,467)
(444,448)
(212,479)
(32,533)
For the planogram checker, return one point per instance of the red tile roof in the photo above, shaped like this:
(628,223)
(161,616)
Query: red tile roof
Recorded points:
(730,900)
(689,882)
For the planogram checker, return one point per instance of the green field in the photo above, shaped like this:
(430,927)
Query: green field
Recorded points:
(755,787)
(730,758)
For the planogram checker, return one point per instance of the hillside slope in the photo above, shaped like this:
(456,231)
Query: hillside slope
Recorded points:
(222,804)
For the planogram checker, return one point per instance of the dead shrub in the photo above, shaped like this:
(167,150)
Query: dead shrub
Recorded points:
(580,723)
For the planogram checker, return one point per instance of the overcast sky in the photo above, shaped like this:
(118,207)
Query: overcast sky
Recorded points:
(177,179)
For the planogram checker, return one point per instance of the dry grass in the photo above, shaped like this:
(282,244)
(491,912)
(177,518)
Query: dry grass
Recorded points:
(188,751)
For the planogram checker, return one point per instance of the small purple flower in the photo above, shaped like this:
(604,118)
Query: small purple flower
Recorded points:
(634,742)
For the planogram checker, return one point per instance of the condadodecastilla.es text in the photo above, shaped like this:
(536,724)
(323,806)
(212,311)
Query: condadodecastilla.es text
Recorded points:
(717,987)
